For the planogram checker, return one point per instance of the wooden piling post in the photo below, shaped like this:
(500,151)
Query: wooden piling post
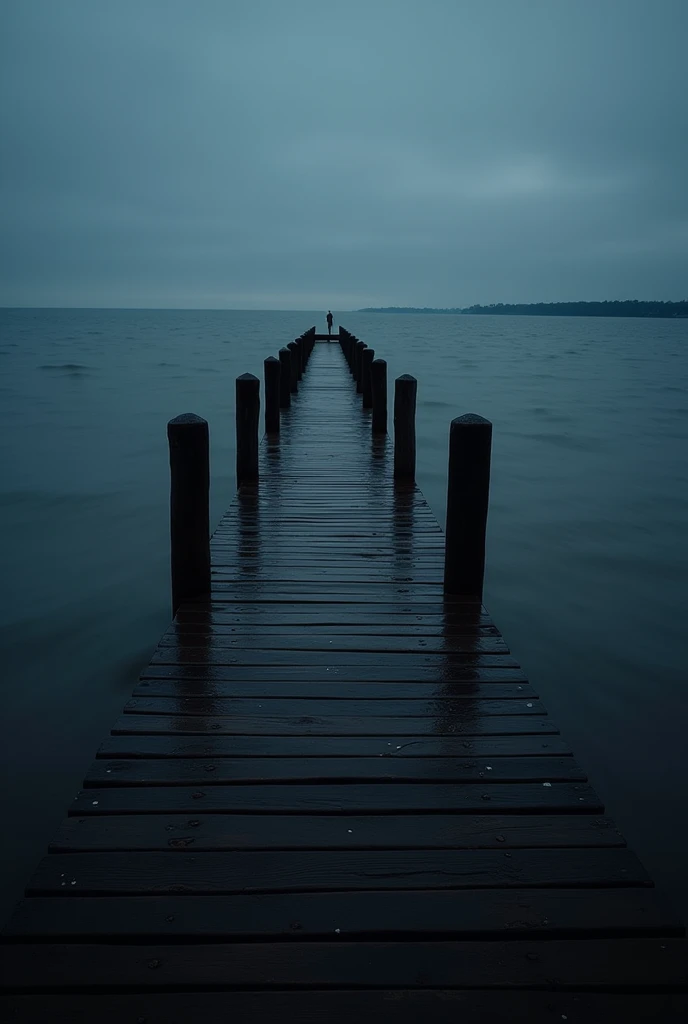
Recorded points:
(367,357)
(271,370)
(358,374)
(352,355)
(353,341)
(468,490)
(293,350)
(345,341)
(285,378)
(310,342)
(294,365)
(298,342)
(189,508)
(405,388)
(247,417)
(378,386)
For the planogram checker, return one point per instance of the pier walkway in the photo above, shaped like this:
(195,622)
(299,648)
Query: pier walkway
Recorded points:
(334,795)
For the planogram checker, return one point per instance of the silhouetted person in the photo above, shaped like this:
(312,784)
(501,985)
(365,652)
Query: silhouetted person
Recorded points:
(330,320)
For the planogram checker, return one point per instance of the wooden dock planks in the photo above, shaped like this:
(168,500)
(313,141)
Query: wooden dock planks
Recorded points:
(335,793)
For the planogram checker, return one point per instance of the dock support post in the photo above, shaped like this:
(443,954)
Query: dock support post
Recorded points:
(189,508)
(247,417)
(470,447)
(405,388)
(310,342)
(367,357)
(353,342)
(348,342)
(358,376)
(378,385)
(299,348)
(294,352)
(344,341)
(285,378)
(271,369)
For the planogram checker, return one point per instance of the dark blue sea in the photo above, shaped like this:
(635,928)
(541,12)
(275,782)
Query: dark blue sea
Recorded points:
(587,547)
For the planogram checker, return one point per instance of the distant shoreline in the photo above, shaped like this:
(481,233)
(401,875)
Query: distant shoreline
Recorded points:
(622,308)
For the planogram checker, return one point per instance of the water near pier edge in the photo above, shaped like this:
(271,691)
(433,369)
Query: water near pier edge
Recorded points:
(587,546)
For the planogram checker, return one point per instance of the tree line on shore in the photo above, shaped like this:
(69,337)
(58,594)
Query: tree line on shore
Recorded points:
(615,307)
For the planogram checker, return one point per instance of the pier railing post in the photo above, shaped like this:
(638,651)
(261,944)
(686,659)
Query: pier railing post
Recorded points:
(271,369)
(247,417)
(293,351)
(470,447)
(189,508)
(405,388)
(367,357)
(285,378)
(378,385)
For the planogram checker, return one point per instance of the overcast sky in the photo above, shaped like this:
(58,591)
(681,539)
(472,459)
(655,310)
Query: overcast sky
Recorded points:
(299,154)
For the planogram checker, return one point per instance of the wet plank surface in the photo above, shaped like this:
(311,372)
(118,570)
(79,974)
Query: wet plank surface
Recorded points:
(335,793)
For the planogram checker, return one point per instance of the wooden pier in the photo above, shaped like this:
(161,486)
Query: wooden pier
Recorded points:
(334,795)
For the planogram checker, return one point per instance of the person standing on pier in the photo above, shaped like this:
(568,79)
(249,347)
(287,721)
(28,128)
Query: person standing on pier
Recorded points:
(330,320)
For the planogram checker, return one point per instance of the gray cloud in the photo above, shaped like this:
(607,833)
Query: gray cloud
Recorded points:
(260,153)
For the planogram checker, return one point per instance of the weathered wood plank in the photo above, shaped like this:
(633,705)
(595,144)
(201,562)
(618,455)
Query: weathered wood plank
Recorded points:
(259,631)
(321,593)
(331,689)
(282,577)
(326,832)
(314,708)
(141,745)
(396,1006)
(601,964)
(138,873)
(240,560)
(187,772)
(324,659)
(334,613)
(208,647)
(364,798)
(415,672)
(335,725)
(459,913)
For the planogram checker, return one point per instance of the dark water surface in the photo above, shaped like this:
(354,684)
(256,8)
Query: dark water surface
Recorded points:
(587,555)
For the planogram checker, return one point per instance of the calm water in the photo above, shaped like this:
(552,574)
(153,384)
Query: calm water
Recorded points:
(588,548)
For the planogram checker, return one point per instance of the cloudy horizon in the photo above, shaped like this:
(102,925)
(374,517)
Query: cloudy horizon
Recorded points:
(257,154)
